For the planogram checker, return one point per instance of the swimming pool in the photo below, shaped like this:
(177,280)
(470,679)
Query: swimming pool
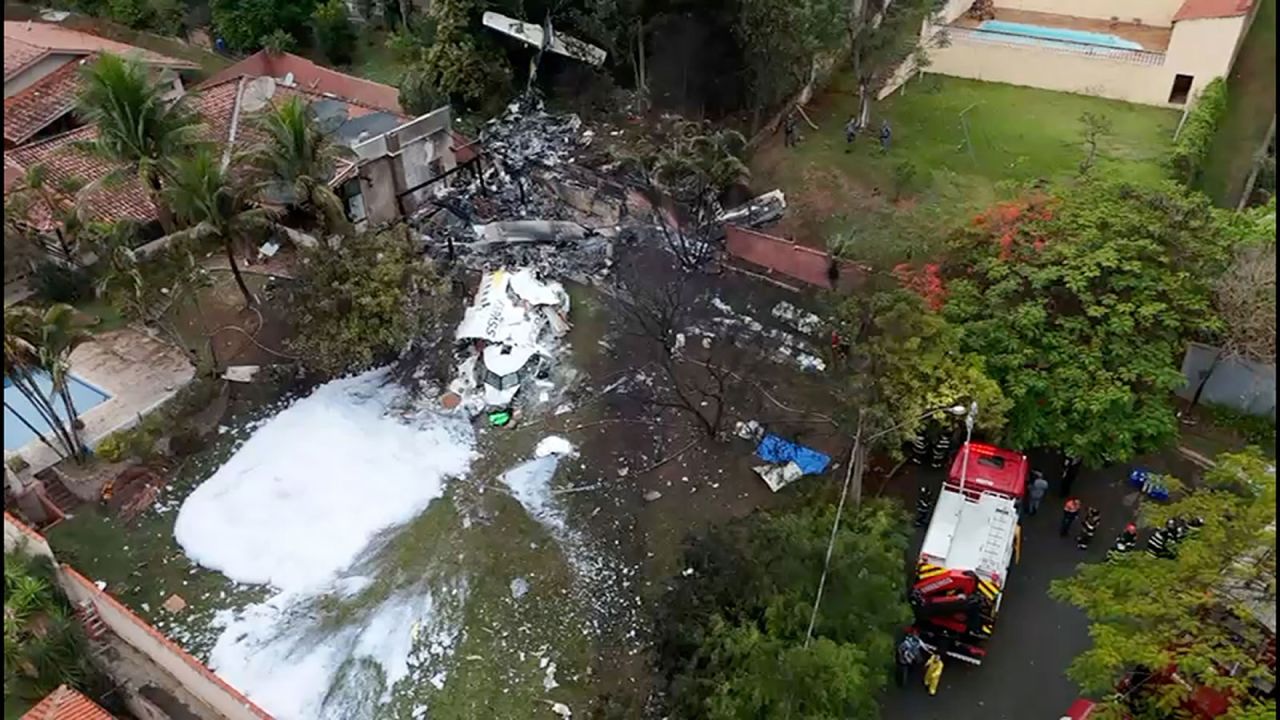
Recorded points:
(17,434)
(1039,34)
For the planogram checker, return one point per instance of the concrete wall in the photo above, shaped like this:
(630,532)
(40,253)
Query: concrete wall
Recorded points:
(1202,49)
(404,158)
(20,538)
(1143,12)
(1246,386)
(189,672)
(33,74)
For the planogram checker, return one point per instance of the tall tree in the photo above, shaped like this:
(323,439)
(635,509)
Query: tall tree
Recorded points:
(1081,306)
(693,167)
(39,344)
(1194,612)
(732,633)
(137,128)
(781,40)
(899,359)
(215,207)
(295,162)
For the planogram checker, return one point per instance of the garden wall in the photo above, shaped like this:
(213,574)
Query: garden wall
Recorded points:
(783,256)
(1144,12)
(1240,384)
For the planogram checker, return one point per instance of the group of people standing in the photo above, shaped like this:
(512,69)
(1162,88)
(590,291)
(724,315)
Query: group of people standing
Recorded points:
(852,128)
(1070,509)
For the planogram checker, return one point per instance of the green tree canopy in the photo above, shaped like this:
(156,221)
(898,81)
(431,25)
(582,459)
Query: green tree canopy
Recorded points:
(1081,306)
(364,302)
(904,359)
(733,631)
(44,646)
(1193,612)
(246,24)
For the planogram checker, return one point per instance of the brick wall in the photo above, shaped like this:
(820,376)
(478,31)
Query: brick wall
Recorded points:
(784,257)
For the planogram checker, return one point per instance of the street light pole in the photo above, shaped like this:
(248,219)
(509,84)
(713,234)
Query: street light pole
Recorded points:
(853,477)
(969,418)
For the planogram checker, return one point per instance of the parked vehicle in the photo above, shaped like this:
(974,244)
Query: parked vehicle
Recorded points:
(968,549)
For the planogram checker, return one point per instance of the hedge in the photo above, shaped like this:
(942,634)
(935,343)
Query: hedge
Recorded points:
(1192,144)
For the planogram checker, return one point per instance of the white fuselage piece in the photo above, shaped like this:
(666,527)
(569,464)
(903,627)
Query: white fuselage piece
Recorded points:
(512,326)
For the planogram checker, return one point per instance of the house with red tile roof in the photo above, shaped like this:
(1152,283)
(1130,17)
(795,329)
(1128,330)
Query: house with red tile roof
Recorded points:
(1153,52)
(66,703)
(41,78)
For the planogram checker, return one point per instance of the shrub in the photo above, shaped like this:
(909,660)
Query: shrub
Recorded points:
(244,24)
(1192,146)
(57,283)
(280,41)
(133,13)
(138,441)
(904,178)
(168,17)
(334,34)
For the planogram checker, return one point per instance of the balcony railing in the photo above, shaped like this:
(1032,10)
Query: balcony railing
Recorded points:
(1070,47)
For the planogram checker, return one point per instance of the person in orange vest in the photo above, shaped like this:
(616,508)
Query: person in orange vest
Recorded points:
(1070,510)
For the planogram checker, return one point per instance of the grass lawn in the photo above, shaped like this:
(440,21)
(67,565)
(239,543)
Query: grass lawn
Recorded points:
(375,61)
(1017,136)
(1251,103)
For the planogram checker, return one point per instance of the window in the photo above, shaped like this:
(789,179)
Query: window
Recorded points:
(1181,89)
(994,461)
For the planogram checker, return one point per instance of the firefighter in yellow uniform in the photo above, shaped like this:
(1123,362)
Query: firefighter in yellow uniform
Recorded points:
(933,672)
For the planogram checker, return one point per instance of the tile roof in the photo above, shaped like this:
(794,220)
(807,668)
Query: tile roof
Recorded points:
(18,54)
(26,41)
(64,163)
(1207,9)
(36,106)
(315,78)
(67,704)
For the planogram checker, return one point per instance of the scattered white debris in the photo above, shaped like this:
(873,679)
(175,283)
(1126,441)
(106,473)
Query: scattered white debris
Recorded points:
(554,445)
(269,249)
(687,572)
(561,709)
(241,373)
(549,680)
(652,495)
(805,322)
(519,586)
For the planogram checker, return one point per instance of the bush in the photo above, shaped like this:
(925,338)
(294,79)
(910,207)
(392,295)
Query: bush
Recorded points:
(362,304)
(1259,430)
(279,41)
(1192,146)
(133,13)
(138,441)
(244,24)
(904,178)
(57,283)
(334,34)
(168,17)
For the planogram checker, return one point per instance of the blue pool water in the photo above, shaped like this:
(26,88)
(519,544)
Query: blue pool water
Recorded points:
(16,434)
(1036,33)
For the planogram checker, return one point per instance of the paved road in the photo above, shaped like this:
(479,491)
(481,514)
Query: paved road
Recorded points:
(1035,638)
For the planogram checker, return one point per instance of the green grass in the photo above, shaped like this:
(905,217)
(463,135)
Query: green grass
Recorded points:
(1016,136)
(1251,103)
(101,315)
(375,61)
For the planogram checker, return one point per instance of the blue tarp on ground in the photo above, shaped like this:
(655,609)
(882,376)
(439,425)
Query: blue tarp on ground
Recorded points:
(776,449)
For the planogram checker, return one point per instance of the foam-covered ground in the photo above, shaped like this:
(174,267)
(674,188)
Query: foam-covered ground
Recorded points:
(296,507)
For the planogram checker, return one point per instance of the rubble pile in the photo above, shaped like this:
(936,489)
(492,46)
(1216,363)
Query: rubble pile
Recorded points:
(515,214)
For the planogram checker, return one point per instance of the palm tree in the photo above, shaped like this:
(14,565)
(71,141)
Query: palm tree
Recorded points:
(296,161)
(22,368)
(33,195)
(137,128)
(213,206)
(42,342)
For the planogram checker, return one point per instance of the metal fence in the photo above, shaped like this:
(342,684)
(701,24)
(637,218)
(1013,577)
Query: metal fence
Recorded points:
(1069,47)
(1240,384)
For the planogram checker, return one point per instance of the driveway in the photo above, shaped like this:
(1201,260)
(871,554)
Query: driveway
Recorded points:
(1036,638)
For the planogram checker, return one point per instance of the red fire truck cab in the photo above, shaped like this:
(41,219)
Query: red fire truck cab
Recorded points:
(968,549)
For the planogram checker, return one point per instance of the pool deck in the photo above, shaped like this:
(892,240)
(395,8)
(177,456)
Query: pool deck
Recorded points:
(1151,38)
(138,371)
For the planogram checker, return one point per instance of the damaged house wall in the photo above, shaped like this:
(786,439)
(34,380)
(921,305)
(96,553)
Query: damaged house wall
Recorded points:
(403,161)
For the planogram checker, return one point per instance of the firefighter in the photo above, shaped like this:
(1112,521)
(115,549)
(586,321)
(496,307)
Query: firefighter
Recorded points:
(1070,469)
(920,447)
(910,650)
(1127,541)
(1176,529)
(1160,545)
(941,449)
(924,503)
(789,129)
(851,129)
(933,672)
(1088,528)
(1070,509)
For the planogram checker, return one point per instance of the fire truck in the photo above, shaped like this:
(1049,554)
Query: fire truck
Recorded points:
(970,544)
